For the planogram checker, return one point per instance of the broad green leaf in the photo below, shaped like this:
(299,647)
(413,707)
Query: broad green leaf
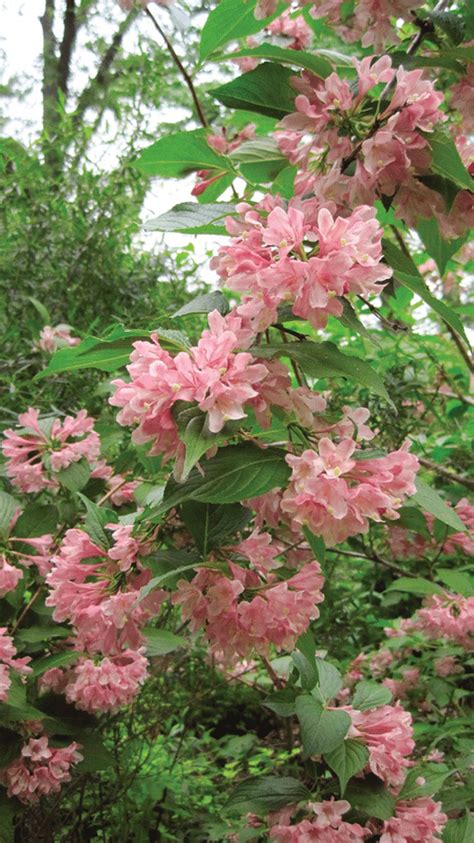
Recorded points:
(230,20)
(8,810)
(209,524)
(36,520)
(329,680)
(459,831)
(62,659)
(33,634)
(235,473)
(438,248)
(284,184)
(349,758)
(263,794)
(407,274)
(457,581)
(194,432)
(350,320)
(443,59)
(370,797)
(446,160)
(205,304)
(316,62)
(370,694)
(306,667)
(451,23)
(316,544)
(266,90)
(41,309)
(434,777)
(281,702)
(96,519)
(429,501)
(8,507)
(322,730)
(159,642)
(96,755)
(412,519)
(259,160)
(415,585)
(324,360)
(193,218)
(177,155)
(75,476)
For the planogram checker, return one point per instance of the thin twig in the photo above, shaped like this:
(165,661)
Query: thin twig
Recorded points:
(376,558)
(27,609)
(180,66)
(445,472)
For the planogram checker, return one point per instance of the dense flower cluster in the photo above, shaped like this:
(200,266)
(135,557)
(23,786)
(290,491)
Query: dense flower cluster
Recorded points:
(418,820)
(450,617)
(40,770)
(41,448)
(327,825)
(388,734)
(8,662)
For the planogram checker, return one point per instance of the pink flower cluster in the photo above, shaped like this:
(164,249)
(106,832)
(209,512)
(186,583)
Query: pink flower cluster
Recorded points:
(371,21)
(270,612)
(387,732)
(301,255)
(8,662)
(51,339)
(405,544)
(336,495)
(415,821)
(37,451)
(97,590)
(328,827)
(449,617)
(99,686)
(40,770)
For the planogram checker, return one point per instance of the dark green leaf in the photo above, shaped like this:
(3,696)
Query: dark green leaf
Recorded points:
(429,500)
(75,476)
(446,160)
(177,155)
(62,659)
(413,519)
(370,695)
(159,642)
(263,794)
(195,434)
(36,520)
(230,20)
(329,681)
(33,634)
(205,304)
(8,507)
(193,218)
(438,248)
(306,667)
(96,755)
(259,160)
(322,730)
(433,776)
(316,544)
(459,831)
(316,62)
(266,90)
(209,524)
(281,702)
(370,797)
(349,758)
(451,23)
(96,519)
(415,585)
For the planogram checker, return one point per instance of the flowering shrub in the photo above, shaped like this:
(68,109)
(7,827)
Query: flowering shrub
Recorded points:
(240,462)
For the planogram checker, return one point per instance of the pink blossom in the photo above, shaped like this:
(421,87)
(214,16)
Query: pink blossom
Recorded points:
(9,661)
(447,666)
(328,827)
(9,576)
(388,734)
(40,770)
(58,337)
(449,617)
(292,28)
(415,821)
(108,685)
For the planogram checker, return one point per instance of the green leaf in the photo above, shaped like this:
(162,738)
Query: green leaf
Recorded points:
(350,320)
(235,473)
(407,274)
(284,184)
(33,634)
(438,248)
(346,760)
(433,776)
(193,218)
(321,730)
(156,582)
(412,519)
(316,62)
(205,304)
(329,681)
(96,519)
(324,360)
(451,23)
(306,667)
(75,476)
(62,659)
(96,755)
(8,507)
(8,810)
(266,90)
(177,155)
(259,160)
(429,500)
(415,585)
(41,309)
(316,544)
(263,794)
(370,695)
(36,520)
(457,581)
(209,524)
(446,160)
(159,642)
(195,434)
(370,797)
(281,702)
(230,20)
(459,831)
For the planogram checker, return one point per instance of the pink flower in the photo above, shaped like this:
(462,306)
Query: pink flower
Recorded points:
(9,576)
(109,685)
(449,617)
(388,734)
(415,821)
(58,337)
(43,447)
(292,28)
(9,661)
(328,827)
(40,770)
(447,666)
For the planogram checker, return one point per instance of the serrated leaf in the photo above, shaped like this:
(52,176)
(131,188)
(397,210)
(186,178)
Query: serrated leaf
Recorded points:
(459,831)
(62,659)
(8,506)
(209,524)
(429,500)
(230,20)
(371,798)
(205,304)
(195,434)
(263,794)
(457,581)
(96,519)
(433,777)
(177,155)
(322,730)
(446,160)
(281,702)
(438,248)
(33,634)
(370,695)
(413,519)
(159,642)
(329,680)
(75,476)
(259,160)
(306,667)
(346,760)
(193,218)
(316,544)
(451,23)
(316,62)
(266,90)
(324,360)
(36,520)
(415,585)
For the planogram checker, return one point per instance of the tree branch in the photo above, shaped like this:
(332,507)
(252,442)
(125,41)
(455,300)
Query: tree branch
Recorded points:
(67,45)
(50,69)
(445,472)
(180,66)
